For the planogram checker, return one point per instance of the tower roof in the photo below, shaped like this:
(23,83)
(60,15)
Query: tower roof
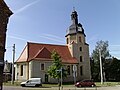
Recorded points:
(75,27)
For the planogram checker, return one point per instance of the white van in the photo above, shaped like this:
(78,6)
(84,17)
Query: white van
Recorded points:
(32,82)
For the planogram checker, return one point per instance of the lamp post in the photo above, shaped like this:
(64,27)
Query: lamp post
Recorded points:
(101,71)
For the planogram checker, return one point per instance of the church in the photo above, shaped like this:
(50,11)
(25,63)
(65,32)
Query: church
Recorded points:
(36,57)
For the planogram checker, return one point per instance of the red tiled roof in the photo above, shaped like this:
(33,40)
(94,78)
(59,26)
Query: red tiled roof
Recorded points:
(43,53)
(38,51)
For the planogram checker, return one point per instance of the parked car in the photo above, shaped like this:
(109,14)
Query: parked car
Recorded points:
(85,83)
(32,82)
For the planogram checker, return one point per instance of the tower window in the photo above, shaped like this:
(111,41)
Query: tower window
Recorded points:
(67,40)
(80,39)
(81,59)
(81,70)
(80,48)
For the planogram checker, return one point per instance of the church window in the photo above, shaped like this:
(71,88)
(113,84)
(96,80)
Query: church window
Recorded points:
(81,59)
(68,69)
(42,66)
(80,48)
(21,70)
(81,70)
(80,39)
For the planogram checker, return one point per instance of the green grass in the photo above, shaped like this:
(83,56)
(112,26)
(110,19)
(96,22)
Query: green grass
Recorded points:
(65,84)
(107,83)
(10,84)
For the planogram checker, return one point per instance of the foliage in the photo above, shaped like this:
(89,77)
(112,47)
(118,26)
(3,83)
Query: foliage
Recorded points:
(57,65)
(101,46)
(111,66)
(113,70)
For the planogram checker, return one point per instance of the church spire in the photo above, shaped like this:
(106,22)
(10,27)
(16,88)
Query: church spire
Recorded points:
(75,27)
(74,17)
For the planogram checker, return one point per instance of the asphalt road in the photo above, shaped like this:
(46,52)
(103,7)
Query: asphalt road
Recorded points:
(56,88)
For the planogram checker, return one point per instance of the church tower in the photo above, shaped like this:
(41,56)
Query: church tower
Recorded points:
(75,39)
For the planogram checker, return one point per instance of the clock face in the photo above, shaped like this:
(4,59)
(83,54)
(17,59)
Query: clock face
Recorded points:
(79,29)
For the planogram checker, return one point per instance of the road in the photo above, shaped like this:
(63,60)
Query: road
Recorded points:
(56,88)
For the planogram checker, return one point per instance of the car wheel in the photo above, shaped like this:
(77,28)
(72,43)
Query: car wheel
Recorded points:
(37,85)
(40,85)
(23,85)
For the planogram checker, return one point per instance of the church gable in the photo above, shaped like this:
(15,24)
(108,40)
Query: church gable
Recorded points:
(43,53)
(24,55)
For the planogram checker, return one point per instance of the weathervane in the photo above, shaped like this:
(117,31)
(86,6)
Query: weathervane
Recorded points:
(73,8)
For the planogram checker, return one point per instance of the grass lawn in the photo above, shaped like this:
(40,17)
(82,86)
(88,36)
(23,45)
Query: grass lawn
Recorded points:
(107,83)
(65,84)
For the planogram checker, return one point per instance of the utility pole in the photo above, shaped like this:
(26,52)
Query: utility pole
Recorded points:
(101,71)
(13,64)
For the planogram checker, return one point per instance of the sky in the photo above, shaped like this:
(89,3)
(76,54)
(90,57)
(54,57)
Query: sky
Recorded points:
(46,21)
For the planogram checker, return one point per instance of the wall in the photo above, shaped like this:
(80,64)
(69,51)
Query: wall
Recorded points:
(35,71)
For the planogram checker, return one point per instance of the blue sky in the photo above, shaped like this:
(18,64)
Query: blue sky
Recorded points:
(46,21)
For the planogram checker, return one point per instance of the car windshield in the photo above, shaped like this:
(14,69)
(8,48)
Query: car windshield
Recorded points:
(86,81)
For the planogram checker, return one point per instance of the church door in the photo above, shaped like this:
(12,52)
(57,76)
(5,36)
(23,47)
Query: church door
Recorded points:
(46,78)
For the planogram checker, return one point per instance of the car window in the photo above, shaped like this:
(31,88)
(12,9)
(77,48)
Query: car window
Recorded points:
(87,81)
(28,81)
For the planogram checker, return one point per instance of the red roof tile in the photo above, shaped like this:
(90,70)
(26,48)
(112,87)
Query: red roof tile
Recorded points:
(38,51)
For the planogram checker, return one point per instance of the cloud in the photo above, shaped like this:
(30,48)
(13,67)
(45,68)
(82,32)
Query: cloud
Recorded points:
(14,37)
(27,6)
(51,38)
(93,38)
(44,36)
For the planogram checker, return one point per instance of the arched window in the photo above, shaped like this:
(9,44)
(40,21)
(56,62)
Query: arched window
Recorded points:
(68,69)
(42,66)
(80,48)
(81,70)
(80,40)
(21,70)
(81,59)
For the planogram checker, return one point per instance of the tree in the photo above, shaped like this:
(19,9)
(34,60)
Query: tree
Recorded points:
(113,70)
(57,65)
(101,46)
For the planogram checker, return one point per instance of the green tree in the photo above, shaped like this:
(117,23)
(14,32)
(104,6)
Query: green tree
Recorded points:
(57,65)
(113,70)
(101,46)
